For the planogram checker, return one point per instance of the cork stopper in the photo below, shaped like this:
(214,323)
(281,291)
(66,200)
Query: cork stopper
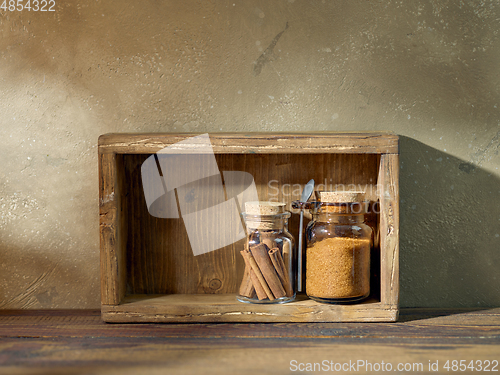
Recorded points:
(254,209)
(264,208)
(341,196)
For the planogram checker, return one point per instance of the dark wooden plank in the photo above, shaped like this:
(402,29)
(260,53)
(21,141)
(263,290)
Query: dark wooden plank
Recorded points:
(418,324)
(76,342)
(216,356)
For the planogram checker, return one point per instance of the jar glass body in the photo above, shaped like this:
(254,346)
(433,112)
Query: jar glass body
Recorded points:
(338,256)
(272,267)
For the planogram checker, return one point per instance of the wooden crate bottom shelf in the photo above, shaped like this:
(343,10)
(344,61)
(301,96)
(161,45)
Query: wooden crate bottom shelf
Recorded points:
(205,308)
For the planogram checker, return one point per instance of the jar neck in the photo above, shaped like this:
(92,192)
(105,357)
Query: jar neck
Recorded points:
(275,225)
(267,222)
(336,218)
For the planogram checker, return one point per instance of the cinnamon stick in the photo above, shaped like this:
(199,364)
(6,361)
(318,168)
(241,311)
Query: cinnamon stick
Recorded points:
(281,269)
(261,256)
(256,276)
(262,236)
(246,288)
(267,240)
(259,290)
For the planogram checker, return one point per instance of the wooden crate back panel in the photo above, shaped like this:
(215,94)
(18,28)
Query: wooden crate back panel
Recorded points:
(158,254)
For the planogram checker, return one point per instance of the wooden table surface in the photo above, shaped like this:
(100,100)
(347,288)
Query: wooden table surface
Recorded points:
(78,342)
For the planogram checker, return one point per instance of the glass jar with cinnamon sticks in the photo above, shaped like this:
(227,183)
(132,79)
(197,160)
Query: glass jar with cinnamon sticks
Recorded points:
(270,274)
(338,248)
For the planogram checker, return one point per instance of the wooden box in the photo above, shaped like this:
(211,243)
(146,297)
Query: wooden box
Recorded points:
(148,270)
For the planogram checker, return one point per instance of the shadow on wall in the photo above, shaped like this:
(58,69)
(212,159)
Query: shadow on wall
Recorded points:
(450,230)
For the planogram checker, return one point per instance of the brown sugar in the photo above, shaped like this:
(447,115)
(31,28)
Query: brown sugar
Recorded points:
(338,267)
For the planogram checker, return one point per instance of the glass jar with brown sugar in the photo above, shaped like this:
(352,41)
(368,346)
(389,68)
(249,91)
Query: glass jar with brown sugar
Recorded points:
(338,249)
(270,274)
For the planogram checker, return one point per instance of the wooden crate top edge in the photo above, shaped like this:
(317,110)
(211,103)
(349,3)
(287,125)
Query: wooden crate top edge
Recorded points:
(313,142)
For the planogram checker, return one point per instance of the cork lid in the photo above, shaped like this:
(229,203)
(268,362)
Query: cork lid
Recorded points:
(341,196)
(264,208)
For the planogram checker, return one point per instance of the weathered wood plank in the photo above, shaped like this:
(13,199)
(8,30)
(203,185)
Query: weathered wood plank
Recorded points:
(389,228)
(177,308)
(218,355)
(269,143)
(112,256)
(423,324)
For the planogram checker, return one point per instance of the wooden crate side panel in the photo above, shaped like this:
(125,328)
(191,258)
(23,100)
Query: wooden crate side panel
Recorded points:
(112,265)
(389,228)
(236,143)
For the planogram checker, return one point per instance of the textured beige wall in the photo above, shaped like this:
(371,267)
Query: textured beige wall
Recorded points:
(428,70)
